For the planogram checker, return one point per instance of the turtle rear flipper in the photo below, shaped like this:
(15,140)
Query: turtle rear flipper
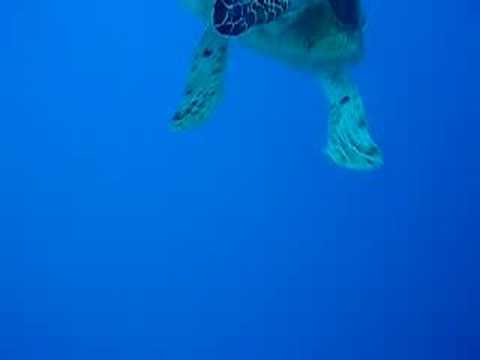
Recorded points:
(205,82)
(349,141)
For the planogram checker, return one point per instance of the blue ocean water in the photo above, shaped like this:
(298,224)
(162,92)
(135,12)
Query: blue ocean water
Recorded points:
(239,240)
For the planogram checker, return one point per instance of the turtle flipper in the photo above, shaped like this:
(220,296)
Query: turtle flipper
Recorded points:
(205,82)
(234,17)
(349,141)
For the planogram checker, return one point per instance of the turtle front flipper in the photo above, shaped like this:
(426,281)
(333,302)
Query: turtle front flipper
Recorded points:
(349,142)
(234,17)
(205,82)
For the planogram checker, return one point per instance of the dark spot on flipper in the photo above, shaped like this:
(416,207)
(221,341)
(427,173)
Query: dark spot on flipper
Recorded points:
(371,151)
(177,117)
(207,53)
(344,100)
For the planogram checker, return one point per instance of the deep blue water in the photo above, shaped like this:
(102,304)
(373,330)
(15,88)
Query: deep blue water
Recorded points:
(239,240)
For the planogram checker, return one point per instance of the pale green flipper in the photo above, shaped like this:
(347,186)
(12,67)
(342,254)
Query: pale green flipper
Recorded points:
(205,82)
(349,141)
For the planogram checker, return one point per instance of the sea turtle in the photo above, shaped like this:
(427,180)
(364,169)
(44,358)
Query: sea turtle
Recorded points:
(323,37)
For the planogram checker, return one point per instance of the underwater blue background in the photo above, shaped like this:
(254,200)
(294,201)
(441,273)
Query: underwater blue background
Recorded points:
(240,240)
